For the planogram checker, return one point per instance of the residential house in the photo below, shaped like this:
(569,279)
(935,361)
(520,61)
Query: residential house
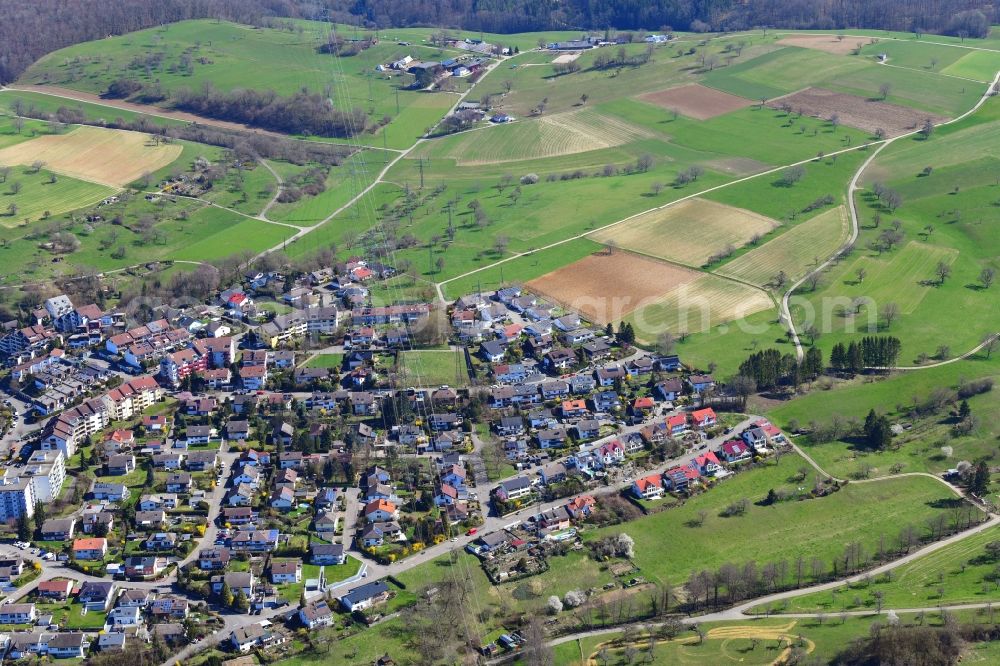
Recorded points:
(735,451)
(706,463)
(648,487)
(58,529)
(701,383)
(327,554)
(551,438)
(380,511)
(513,489)
(703,418)
(670,390)
(365,596)
(316,615)
(58,589)
(680,478)
(510,426)
(587,429)
(286,572)
(91,548)
(96,595)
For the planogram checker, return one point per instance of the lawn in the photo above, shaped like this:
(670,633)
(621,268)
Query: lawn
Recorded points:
(44,194)
(342,183)
(9,135)
(769,195)
(918,449)
(667,549)
(730,642)
(325,361)
(433,368)
(728,345)
(956,574)
(521,269)
(948,217)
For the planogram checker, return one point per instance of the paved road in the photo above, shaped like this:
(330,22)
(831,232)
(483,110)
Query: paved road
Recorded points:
(494,523)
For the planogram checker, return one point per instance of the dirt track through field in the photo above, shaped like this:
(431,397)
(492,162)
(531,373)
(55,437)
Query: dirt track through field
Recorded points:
(696,101)
(607,287)
(865,114)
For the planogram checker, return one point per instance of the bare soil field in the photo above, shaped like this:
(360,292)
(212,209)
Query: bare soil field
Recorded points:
(607,287)
(696,101)
(105,156)
(565,58)
(828,43)
(689,232)
(864,114)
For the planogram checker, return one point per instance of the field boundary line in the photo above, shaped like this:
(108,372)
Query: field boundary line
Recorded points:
(686,197)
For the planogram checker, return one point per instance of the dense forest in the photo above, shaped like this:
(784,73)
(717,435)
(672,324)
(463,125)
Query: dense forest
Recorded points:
(29,30)
(970,17)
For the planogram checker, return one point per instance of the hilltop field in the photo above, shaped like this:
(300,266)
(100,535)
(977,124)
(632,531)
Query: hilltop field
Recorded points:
(721,161)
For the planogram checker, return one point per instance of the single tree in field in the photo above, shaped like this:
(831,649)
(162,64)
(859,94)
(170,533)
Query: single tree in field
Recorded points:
(12,209)
(927,129)
(439,264)
(583,98)
(884,90)
(986,276)
(990,342)
(943,271)
(792,175)
(515,194)
(507,85)
(835,121)
(18,124)
(861,275)
(665,343)
(15,187)
(890,311)
(656,188)
(780,280)
(500,244)
(36,166)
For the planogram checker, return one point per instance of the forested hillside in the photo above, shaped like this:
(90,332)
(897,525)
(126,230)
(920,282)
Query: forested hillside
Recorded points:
(968,16)
(29,30)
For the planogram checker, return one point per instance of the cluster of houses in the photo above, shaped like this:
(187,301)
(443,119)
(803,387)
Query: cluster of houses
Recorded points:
(586,42)
(130,615)
(519,549)
(461,66)
(759,439)
(380,512)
